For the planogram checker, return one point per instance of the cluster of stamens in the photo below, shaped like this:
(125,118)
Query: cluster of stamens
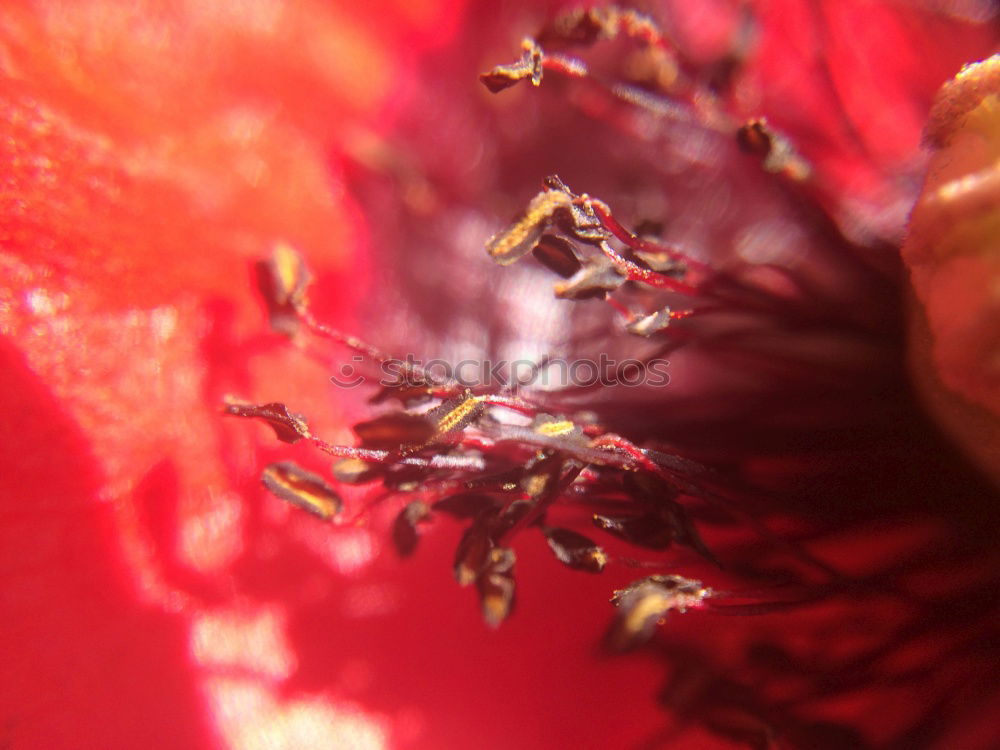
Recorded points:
(496,460)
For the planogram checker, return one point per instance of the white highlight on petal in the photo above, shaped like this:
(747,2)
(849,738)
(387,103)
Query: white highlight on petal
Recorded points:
(250,718)
(247,641)
(212,537)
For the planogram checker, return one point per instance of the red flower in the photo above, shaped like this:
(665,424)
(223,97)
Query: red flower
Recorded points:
(155,595)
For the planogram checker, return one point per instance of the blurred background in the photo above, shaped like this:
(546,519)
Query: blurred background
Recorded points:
(154,595)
